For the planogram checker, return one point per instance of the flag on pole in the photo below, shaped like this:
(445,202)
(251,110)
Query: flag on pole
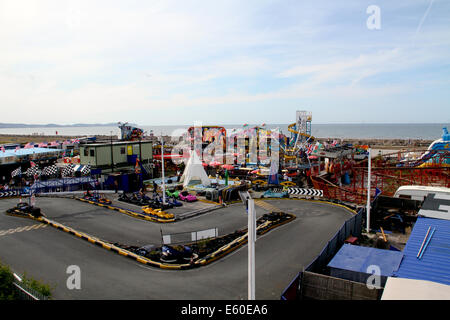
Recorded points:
(226,177)
(17,172)
(137,168)
(310,148)
(273,174)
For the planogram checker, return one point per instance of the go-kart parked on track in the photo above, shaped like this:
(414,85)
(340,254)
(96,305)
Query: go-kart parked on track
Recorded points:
(185,196)
(96,197)
(180,253)
(175,194)
(174,202)
(157,212)
(104,200)
(25,208)
(273,194)
(135,199)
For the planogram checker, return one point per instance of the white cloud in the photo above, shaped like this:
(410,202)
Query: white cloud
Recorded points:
(104,57)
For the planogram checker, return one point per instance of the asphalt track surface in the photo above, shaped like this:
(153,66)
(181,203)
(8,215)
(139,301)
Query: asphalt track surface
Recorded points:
(45,253)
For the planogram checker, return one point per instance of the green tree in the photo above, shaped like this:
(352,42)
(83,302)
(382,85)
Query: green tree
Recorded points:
(6,284)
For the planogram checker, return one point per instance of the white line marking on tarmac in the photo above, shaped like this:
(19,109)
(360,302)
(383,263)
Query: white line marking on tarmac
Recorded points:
(22,229)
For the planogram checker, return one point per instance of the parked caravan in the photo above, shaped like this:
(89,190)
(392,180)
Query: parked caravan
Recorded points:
(419,192)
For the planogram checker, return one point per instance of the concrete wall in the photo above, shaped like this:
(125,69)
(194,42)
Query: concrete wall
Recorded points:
(315,286)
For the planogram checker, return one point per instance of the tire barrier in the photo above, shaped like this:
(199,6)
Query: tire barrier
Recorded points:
(224,250)
(109,246)
(231,193)
(128,212)
(240,241)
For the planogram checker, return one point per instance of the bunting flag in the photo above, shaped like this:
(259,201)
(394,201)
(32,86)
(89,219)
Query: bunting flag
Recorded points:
(273,174)
(310,149)
(137,168)
(17,172)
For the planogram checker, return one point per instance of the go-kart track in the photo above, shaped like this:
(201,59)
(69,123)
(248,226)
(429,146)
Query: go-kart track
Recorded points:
(45,252)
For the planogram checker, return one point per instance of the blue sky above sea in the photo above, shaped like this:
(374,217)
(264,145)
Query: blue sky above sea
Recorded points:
(224,62)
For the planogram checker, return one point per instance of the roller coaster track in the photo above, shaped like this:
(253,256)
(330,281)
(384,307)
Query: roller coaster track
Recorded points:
(290,153)
(299,133)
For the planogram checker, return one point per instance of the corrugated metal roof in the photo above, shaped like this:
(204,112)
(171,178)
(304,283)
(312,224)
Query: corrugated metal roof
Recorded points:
(358,259)
(435,262)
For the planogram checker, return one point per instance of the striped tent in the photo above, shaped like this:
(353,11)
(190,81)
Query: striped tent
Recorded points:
(84,169)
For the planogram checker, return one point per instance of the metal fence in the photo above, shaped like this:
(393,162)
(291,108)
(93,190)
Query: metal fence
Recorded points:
(351,227)
(192,236)
(26,293)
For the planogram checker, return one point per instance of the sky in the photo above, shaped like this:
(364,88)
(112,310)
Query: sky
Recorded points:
(224,61)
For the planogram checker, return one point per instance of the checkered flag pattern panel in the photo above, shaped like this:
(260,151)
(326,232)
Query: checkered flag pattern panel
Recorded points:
(50,170)
(33,171)
(67,170)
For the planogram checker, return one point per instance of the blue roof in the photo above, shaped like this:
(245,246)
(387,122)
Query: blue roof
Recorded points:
(25,152)
(435,262)
(358,259)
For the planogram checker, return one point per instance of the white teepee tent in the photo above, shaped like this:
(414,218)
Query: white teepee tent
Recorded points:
(194,171)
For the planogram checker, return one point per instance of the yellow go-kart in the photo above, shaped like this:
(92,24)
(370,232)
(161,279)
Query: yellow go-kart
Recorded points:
(157,212)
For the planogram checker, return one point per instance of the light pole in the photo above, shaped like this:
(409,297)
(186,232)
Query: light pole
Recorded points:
(251,248)
(162,167)
(368,191)
(112,157)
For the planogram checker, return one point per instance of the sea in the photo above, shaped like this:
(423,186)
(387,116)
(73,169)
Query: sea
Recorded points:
(425,131)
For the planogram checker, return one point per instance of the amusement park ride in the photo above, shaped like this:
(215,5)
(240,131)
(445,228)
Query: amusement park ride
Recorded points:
(339,170)
(129,133)
(300,138)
